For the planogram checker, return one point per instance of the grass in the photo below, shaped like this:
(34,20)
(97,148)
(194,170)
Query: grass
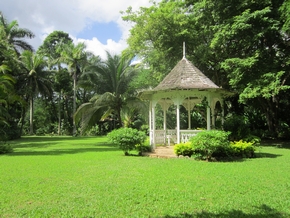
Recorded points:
(88,177)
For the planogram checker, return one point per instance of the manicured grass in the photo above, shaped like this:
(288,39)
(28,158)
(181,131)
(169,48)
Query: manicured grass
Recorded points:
(88,177)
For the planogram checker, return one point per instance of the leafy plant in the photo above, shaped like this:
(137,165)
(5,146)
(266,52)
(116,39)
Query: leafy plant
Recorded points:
(127,139)
(184,149)
(242,148)
(144,147)
(5,148)
(206,143)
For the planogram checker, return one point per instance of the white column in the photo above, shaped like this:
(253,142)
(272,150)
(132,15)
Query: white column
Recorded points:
(164,120)
(178,123)
(150,123)
(189,119)
(208,117)
(164,124)
(153,125)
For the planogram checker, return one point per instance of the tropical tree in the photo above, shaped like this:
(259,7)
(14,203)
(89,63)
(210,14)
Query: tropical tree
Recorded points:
(9,100)
(34,79)
(75,57)
(49,48)
(15,35)
(113,79)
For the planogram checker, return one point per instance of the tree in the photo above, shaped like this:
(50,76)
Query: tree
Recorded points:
(113,78)
(34,79)
(75,57)
(15,34)
(50,49)
(10,101)
(257,53)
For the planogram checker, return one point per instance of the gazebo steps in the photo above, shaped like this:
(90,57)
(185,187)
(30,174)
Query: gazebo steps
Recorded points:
(162,152)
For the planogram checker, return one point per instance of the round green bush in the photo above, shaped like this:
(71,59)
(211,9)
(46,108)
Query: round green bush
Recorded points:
(207,143)
(128,139)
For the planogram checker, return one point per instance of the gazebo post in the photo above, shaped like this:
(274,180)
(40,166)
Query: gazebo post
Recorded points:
(189,119)
(164,124)
(178,123)
(208,118)
(153,126)
(150,124)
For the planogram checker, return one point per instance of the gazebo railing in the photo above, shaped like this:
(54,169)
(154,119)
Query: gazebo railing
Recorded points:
(185,135)
(162,136)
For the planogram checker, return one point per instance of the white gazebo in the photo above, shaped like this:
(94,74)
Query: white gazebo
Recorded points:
(184,85)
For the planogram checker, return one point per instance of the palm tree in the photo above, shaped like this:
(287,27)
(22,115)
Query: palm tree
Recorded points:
(50,49)
(6,91)
(15,34)
(34,79)
(114,76)
(75,57)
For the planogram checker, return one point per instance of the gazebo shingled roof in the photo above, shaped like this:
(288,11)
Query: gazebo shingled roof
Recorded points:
(185,76)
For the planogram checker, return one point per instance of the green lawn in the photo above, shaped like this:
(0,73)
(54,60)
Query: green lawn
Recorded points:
(88,177)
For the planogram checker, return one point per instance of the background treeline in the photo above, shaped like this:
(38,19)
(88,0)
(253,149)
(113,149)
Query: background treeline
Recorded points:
(60,88)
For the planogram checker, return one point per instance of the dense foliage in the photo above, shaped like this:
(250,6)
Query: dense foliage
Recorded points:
(215,145)
(241,45)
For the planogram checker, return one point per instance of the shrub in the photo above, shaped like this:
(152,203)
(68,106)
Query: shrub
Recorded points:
(5,148)
(144,147)
(255,140)
(127,139)
(206,143)
(242,148)
(184,149)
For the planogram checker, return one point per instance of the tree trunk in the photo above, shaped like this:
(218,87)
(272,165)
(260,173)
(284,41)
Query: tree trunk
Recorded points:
(59,114)
(74,101)
(119,117)
(271,112)
(31,116)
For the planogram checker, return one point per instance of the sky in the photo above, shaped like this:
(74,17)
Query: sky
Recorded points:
(98,23)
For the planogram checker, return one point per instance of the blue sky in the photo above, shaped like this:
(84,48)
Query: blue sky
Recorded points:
(101,31)
(98,23)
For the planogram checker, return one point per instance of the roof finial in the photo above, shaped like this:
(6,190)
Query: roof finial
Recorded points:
(183,49)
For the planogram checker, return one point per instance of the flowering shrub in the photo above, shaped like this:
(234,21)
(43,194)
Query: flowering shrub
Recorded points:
(184,149)
(242,148)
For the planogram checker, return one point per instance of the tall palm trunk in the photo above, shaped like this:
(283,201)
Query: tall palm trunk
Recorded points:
(74,101)
(31,116)
(59,114)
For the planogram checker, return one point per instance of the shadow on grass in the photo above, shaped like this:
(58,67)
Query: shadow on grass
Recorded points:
(32,146)
(266,155)
(262,212)
(63,151)
(276,143)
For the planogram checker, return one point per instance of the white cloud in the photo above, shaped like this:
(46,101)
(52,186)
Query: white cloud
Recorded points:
(96,47)
(71,16)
